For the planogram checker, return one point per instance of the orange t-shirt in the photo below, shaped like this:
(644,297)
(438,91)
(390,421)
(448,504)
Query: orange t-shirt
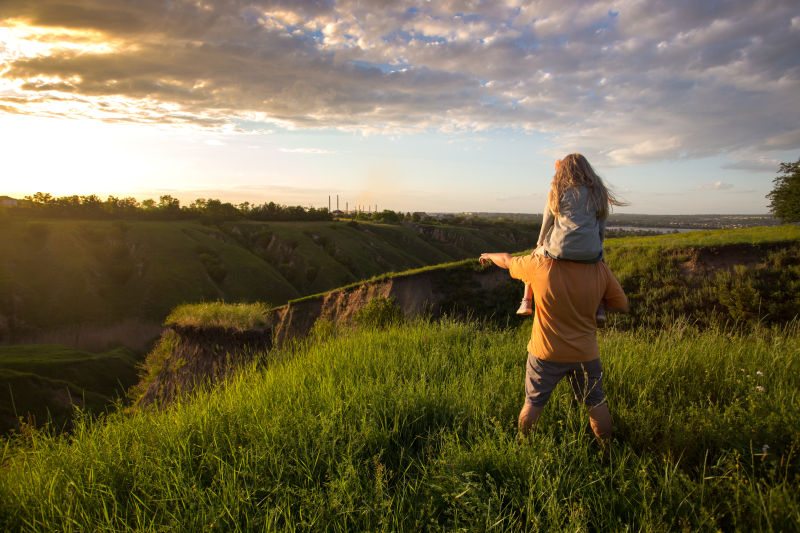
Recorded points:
(566,295)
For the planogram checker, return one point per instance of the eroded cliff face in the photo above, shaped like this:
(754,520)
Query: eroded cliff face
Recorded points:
(457,290)
(188,357)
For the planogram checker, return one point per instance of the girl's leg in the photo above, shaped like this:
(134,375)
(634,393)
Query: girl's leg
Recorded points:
(600,316)
(526,305)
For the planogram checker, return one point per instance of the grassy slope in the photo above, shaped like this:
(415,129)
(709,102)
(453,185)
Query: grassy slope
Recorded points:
(81,271)
(412,428)
(345,435)
(766,287)
(652,280)
(60,272)
(43,380)
(757,235)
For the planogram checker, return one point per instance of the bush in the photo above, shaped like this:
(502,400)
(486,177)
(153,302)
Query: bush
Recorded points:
(379,312)
(311,273)
(213,264)
(322,330)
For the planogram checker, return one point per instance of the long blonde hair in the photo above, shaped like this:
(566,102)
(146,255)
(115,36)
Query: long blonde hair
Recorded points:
(573,171)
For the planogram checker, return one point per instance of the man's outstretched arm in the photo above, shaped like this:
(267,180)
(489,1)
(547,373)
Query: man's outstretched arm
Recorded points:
(500,259)
(614,296)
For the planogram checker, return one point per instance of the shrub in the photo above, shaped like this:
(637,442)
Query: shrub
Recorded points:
(311,273)
(213,264)
(379,312)
(738,295)
(322,330)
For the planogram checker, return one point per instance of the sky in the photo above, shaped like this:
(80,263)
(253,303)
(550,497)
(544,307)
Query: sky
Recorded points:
(682,106)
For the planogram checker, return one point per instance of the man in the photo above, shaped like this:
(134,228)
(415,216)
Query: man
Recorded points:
(564,336)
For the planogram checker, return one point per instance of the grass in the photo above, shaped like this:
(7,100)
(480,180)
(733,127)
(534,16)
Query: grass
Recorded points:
(652,270)
(412,427)
(238,317)
(757,235)
(61,273)
(454,265)
(757,280)
(40,382)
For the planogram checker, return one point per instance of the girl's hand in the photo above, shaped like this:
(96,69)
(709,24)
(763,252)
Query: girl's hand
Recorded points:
(484,259)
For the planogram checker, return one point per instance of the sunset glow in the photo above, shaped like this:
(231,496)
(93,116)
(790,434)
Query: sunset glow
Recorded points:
(457,106)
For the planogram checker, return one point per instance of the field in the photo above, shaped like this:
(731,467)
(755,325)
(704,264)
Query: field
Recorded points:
(41,383)
(413,427)
(739,276)
(61,276)
(408,425)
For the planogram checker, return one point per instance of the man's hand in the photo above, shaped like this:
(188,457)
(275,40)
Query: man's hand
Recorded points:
(623,309)
(500,259)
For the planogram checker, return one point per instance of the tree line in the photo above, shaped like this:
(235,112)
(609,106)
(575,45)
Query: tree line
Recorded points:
(167,208)
(214,210)
(784,199)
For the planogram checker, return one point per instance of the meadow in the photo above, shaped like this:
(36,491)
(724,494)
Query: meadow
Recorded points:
(399,424)
(411,426)
(67,276)
(41,384)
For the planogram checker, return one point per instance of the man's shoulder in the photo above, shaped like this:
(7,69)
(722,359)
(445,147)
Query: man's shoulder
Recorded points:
(527,265)
(606,270)
(530,260)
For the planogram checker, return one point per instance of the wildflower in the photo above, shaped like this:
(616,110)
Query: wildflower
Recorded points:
(760,388)
(759,373)
(765,448)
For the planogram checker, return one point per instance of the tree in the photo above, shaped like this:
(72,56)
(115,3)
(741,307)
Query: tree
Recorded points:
(785,196)
(168,203)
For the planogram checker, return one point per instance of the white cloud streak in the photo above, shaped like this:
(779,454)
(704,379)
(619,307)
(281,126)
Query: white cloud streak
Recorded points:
(311,151)
(716,186)
(626,81)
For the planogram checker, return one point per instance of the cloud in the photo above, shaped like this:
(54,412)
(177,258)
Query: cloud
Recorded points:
(716,186)
(313,151)
(522,197)
(625,81)
(754,165)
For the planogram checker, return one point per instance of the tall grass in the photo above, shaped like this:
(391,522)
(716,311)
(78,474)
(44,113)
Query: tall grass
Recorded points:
(235,316)
(412,427)
(722,237)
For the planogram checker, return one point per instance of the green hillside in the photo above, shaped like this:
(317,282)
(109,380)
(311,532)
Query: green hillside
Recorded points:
(412,428)
(60,272)
(744,275)
(42,383)
(748,276)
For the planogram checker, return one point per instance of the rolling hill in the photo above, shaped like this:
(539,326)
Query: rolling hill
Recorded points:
(59,275)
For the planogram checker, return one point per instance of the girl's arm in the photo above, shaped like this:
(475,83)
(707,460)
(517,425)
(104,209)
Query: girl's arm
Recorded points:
(547,224)
(602,224)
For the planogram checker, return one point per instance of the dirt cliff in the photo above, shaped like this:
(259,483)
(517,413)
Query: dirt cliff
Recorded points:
(187,357)
(458,290)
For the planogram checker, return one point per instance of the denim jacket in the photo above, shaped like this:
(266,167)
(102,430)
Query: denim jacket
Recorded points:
(576,233)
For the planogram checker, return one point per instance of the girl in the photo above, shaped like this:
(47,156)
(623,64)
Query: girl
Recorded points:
(574,222)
